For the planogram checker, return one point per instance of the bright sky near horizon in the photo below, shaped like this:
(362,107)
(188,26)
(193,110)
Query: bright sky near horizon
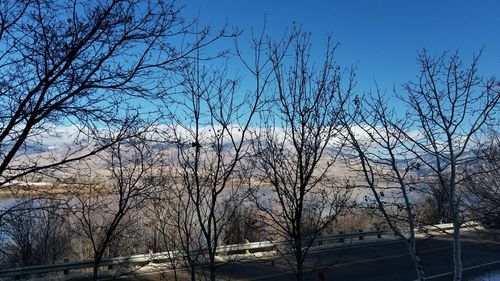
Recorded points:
(381,37)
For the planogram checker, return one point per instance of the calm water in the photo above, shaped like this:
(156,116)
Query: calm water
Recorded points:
(6,203)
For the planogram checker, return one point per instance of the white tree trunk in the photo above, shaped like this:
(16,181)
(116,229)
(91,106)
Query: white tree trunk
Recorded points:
(457,251)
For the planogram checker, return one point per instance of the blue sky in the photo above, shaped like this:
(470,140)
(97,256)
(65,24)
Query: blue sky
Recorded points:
(381,37)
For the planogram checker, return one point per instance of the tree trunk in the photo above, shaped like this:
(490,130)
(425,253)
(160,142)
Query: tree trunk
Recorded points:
(212,267)
(193,272)
(97,261)
(300,271)
(457,251)
(212,273)
(419,267)
(299,259)
(95,269)
(174,270)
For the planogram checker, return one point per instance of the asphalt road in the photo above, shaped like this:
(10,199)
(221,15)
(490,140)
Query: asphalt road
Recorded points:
(381,261)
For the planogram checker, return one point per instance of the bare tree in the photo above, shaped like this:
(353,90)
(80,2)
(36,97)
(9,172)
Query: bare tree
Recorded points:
(40,234)
(379,157)
(11,12)
(435,207)
(211,131)
(296,148)
(179,233)
(104,212)
(244,224)
(448,106)
(446,109)
(482,184)
(174,219)
(82,64)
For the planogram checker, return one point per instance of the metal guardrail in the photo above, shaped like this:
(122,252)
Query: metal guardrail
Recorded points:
(447,227)
(224,249)
(163,256)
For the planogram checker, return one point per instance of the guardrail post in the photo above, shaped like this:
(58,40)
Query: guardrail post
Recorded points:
(65,272)
(246,242)
(380,234)
(341,239)
(150,255)
(360,236)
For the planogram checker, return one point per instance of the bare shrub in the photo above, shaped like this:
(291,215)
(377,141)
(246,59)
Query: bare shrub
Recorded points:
(39,234)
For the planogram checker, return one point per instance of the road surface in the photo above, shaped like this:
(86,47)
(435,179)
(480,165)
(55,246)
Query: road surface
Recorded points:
(380,261)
